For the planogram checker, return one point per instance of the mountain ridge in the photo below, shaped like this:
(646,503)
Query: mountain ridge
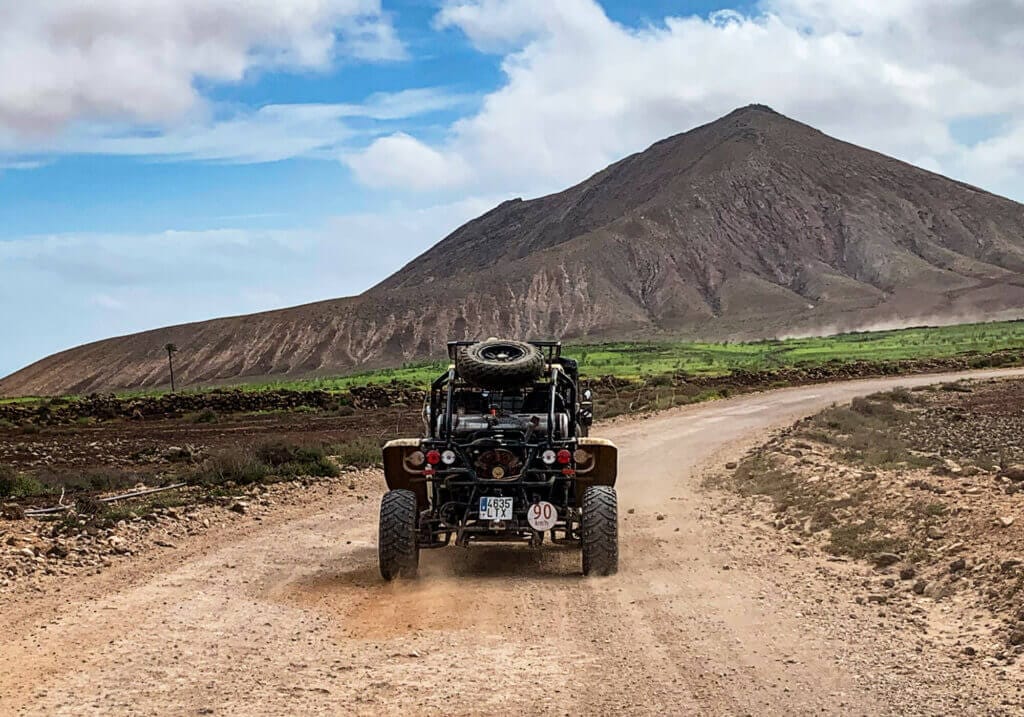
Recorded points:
(746,227)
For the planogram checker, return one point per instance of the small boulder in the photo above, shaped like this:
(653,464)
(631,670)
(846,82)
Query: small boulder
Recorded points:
(884,560)
(13,511)
(1014,473)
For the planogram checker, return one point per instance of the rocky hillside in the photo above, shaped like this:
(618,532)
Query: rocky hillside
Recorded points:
(754,225)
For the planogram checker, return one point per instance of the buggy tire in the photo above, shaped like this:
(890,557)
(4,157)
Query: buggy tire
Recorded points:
(496,364)
(600,531)
(397,551)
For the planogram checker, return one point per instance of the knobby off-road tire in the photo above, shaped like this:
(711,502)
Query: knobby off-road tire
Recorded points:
(600,527)
(496,364)
(397,551)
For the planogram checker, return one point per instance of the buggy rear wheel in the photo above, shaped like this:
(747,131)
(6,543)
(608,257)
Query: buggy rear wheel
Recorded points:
(600,528)
(397,551)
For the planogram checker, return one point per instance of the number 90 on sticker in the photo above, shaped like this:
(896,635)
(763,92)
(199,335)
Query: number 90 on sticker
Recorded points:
(542,516)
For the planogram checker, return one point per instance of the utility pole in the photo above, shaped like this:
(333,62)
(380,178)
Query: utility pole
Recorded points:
(171,349)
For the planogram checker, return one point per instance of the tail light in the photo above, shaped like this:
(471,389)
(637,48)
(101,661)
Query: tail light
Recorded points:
(564,457)
(433,457)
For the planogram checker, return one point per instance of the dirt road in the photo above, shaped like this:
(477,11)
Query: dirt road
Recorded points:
(709,614)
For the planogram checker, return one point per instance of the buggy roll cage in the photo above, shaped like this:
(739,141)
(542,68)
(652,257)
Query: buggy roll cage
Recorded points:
(552,351)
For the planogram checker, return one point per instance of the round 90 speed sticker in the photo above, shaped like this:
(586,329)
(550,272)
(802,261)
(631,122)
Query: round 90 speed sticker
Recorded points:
(542,516)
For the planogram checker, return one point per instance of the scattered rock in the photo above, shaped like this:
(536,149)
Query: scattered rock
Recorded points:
(935,532)
(731,465)
(239,506)
(957,565)
(920,586)
(1014,473)
(1005,521)
(884,560)
(13,511)
(907,573)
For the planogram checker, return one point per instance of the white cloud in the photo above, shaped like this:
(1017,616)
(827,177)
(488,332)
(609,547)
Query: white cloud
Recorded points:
(139,60)
(582,91)
(86,287)
(20,164)
(404,161)
(239,134)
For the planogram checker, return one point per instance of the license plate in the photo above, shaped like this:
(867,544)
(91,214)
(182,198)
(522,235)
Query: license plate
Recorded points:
(492,508)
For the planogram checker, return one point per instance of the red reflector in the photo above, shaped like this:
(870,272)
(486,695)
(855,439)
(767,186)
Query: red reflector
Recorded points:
(564,456)
(433,457)
(568,471)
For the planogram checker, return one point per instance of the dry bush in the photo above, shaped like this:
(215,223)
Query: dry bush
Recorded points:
(363,452)
(235,465)
(18,485)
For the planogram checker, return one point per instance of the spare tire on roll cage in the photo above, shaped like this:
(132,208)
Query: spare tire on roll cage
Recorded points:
(497,364)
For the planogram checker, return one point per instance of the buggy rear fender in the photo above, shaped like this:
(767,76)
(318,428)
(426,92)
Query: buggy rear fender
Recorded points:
(603,469)
(397,473)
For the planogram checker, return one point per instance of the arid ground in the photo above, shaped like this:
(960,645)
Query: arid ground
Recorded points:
(277,608)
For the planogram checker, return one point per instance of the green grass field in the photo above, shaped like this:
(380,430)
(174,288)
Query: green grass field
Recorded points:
(23,399)
(644,359)
(636,360)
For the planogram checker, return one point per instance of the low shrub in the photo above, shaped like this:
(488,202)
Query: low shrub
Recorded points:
(95,481)
(264,462)
(859,540)
(240,466)
(902,395)
(662,380)
(877,406)
(19,485)
(363,452)
(294,459)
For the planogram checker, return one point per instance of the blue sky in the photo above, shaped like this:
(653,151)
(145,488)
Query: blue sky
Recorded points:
(215,157)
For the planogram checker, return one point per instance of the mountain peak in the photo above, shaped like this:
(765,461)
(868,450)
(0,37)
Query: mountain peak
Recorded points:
(751,110)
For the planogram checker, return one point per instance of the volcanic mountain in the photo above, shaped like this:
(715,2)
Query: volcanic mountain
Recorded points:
(754,225)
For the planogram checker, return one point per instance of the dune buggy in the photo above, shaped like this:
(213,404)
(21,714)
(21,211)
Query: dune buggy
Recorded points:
(505,456)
